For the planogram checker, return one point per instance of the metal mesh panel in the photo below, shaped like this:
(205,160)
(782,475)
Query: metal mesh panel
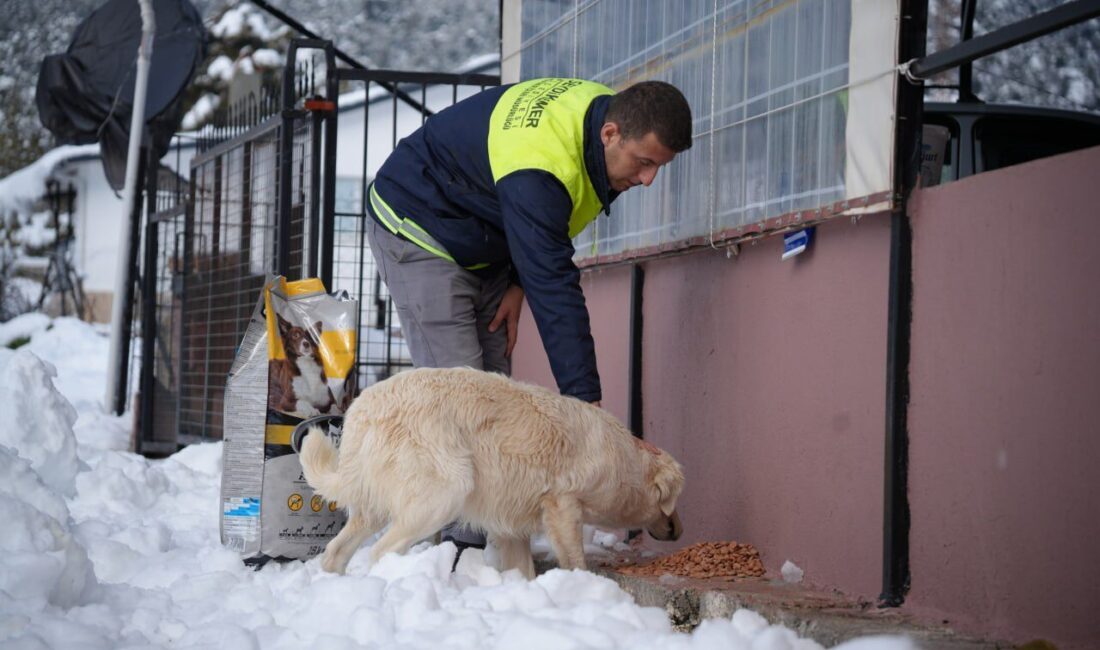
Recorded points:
(169,306)
(156,309)
(229,245)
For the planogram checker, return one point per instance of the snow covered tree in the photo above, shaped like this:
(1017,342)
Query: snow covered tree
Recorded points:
(404,34)
(28,32)
(1060,70)
(243,41)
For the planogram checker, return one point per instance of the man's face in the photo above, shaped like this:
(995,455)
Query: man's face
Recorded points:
(632,161)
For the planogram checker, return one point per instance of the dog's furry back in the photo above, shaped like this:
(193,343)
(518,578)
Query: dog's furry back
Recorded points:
(488,450)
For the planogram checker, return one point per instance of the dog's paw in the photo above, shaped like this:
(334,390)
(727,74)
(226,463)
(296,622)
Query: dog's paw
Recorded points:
(306,409)
(331,564)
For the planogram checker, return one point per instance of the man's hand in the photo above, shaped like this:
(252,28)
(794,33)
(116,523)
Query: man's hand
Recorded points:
(508,313)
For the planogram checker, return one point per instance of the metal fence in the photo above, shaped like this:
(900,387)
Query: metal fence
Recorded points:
(266,194)
(206,252)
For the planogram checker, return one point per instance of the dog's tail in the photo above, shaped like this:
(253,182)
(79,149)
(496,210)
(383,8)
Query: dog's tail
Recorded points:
(320,459)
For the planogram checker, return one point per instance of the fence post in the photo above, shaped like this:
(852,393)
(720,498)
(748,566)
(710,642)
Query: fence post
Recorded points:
(147,385)
(328,211)
(286,162)
(310,242)
(126,323)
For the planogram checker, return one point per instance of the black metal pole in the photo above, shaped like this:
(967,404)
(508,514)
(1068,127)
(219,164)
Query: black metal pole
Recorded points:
(305,31)
(328,210)
(147,383)
(310,243)
(966,70)
(286,162)
(634,367)
(53,194)
(1038,25)
(907,147)
(150,166)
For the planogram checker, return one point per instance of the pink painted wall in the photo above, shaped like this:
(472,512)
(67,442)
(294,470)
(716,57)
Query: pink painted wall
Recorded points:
(607,294)
(765,378)
(1004,415)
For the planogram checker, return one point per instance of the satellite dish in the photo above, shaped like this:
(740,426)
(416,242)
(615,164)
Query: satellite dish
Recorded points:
(86,94)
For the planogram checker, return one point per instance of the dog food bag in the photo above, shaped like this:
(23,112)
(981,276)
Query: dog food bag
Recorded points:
(296,361)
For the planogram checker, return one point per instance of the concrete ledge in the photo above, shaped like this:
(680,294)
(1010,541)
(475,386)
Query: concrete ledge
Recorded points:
(826,617)
(829,620)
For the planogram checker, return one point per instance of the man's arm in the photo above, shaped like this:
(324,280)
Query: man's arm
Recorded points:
(536,211)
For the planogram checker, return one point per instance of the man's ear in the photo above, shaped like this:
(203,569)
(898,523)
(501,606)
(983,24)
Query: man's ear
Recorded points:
(608,132)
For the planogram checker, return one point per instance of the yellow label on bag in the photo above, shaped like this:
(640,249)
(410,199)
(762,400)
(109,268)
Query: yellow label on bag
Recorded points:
(300,287)
(337,349)
(278,434)
(274,341)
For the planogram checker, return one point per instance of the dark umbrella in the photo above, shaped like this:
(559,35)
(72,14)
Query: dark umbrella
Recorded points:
(86,94)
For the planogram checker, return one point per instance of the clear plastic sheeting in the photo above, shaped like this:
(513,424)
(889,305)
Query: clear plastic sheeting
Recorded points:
(768,83)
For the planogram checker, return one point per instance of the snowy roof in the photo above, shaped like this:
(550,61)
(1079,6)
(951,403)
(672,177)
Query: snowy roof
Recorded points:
(22,188)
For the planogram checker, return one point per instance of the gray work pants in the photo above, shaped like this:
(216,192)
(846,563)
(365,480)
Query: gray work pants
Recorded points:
(445,312)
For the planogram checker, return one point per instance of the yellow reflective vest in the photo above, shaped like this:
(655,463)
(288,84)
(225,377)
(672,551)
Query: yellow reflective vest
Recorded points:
(539,124)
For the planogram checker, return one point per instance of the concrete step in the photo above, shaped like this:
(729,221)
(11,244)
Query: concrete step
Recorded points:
(829,618)
(825,618)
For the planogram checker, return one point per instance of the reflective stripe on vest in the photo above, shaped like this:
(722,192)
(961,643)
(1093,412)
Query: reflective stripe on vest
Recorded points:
(409,229)
(539,124)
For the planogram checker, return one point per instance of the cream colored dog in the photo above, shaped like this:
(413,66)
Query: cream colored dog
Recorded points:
(431,446)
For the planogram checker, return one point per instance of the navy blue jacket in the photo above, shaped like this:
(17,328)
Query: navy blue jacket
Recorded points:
(440,177)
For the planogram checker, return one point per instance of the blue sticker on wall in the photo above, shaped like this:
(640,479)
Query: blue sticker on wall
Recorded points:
(797,242)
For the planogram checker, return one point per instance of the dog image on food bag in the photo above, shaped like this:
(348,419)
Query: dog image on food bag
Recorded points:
(298,383)
(431,446)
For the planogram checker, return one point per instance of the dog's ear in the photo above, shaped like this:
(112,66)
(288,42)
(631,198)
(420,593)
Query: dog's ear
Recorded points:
(669,481)
(317,328)
(284,325)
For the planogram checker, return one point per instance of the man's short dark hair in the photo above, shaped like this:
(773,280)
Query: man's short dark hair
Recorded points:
(653,106)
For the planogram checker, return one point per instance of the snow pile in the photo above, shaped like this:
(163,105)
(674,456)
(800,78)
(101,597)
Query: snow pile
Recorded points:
(791,572)
(79,352)
(38,421)
(43,563)
(22,327)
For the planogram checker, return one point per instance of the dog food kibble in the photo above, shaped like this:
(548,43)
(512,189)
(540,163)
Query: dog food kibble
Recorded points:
(705,560)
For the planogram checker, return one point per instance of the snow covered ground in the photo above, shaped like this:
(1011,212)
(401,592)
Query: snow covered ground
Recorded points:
(102,548)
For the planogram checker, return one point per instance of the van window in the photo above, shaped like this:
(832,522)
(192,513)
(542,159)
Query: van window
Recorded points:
(1005,140)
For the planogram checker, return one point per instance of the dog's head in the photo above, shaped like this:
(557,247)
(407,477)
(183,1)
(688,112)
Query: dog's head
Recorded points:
(297,340)
(665,484)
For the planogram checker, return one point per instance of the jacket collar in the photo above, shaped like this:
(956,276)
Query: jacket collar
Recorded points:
(594,162)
